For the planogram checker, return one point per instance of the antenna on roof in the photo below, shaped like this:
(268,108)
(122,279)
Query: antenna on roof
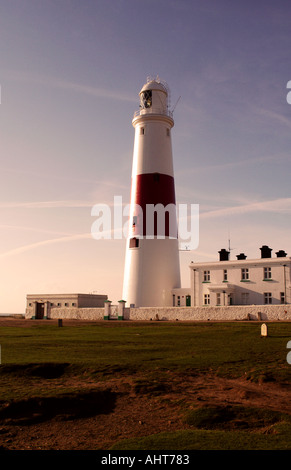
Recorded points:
(176,104)
(186,248)
(229,245)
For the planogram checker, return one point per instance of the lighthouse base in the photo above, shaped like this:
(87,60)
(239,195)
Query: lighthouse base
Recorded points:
(152,270)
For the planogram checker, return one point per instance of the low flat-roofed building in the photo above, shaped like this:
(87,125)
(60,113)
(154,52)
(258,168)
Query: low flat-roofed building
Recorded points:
(38,306)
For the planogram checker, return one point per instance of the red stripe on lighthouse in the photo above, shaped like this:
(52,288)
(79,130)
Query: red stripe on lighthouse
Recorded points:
(154,189)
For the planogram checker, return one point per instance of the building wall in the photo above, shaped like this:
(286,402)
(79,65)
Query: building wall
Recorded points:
(181,297)
(87,300)
(77,313)
(72,313)
(230,313)
(208,279)
(46,305)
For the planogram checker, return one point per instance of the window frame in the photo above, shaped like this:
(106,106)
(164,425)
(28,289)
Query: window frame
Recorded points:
(267,273)
(206,299)
(245,274)
(206,276)
(268,299)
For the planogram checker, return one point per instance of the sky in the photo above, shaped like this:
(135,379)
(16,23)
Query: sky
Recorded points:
(70,75)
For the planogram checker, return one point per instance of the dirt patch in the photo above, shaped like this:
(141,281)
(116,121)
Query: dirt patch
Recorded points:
(131,409)
(64,407)
(43,370)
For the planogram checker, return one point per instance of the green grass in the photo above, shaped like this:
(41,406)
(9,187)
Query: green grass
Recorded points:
(33,356)
(232,349)
(210,440)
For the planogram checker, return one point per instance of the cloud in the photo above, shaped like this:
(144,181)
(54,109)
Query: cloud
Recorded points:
(22,249)
(229,165)
(20,228)
(266,113)
(116,199)
(45,204)
(276,205)
(71,86)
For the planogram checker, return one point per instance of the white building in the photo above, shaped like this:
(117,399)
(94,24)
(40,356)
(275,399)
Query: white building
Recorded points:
(225,282)
(41,306)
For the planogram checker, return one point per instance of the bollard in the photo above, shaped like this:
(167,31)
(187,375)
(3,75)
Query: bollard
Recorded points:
(264,330)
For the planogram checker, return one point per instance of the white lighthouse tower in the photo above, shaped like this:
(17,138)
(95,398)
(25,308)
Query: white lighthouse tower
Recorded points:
(152,266)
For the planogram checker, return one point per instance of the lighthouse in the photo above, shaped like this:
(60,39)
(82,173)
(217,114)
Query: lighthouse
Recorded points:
(152,266)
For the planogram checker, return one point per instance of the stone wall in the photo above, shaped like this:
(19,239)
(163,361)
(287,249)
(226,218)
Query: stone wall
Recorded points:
(229,313)
(72,313)
(238,312)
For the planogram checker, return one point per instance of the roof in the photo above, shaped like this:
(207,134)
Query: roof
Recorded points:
(241,262)
(154,85)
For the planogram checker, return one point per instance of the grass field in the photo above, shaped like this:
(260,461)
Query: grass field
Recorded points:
(86,374)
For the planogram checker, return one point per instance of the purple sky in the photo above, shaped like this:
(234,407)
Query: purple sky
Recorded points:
(70,74)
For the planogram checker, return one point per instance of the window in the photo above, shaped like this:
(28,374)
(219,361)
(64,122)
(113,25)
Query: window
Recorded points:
(225,274)
(134,223)
(206,299)
(168,132)
(206,276)
(59,304)
(134,243)
(73,304)
(141,131)
(218,298)
(267,298)
(245,298)
(282,297)
(51,304)
(267,274)
(178,300)
(244,274)
(66,304)
(147,98)
(30,304)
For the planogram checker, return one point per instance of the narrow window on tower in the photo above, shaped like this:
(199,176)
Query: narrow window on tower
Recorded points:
(134,222)
(134,243)
(142,131)
(168,132)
